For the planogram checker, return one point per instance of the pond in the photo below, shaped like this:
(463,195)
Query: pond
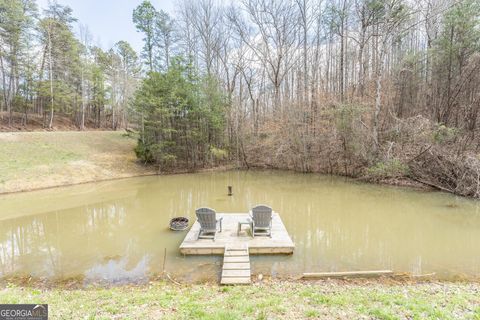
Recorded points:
(117,231)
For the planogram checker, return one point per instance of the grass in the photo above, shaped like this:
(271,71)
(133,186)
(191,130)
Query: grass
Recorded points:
(271,300)
(32,160)
(16,158)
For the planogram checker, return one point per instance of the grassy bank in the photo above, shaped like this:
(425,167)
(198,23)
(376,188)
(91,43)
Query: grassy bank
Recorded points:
(276,300)
(41,159)
(33,160)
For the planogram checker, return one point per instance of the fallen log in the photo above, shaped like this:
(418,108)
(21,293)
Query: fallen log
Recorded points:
(433,185)
(347,274)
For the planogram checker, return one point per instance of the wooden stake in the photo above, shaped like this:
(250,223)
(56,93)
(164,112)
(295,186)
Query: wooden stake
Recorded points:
(164,260)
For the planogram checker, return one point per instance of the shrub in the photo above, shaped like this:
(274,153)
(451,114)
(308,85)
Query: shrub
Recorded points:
(143,152)
(168,160)
(393,168)
(346,116)
(443,134)
(218,154)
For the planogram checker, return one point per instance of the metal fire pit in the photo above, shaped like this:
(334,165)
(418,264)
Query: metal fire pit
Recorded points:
(179,223)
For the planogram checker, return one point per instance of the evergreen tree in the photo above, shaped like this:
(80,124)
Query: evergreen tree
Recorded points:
(459,40)
(144,18)
(62,56)
(16,22)
(183,117)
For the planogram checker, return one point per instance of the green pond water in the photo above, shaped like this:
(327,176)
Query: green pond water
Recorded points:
(117,231)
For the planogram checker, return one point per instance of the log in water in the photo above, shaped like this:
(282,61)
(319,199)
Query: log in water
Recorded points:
(348,274)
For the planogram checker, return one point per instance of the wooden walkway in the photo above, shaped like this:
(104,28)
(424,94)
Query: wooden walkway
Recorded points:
(236,265)
(279,243)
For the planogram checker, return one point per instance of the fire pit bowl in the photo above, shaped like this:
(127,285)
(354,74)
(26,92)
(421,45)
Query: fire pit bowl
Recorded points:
(179,223)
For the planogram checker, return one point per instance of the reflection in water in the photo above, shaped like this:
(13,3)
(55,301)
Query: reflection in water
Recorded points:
(117,231)
(117,271)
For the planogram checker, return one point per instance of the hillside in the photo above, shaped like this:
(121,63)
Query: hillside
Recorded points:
(32,160)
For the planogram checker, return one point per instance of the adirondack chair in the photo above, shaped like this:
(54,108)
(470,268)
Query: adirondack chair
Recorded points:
(261,221)
(208,223)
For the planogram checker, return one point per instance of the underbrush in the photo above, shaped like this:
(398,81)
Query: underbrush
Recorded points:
(413,149)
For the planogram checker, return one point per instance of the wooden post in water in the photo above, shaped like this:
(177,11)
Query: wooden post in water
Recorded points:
(230,190)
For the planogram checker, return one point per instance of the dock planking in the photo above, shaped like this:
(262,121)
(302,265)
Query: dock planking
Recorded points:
(279,243)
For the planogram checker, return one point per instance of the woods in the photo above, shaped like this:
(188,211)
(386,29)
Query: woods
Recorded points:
(378,89)
(50,68)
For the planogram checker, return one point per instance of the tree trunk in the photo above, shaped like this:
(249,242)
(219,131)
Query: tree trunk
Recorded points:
(50,122)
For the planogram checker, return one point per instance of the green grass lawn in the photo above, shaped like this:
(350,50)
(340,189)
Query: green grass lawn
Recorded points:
(32,160)
(19,158)
(271,300)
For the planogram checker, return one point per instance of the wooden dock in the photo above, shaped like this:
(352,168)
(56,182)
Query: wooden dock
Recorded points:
(279,243)
(236,265)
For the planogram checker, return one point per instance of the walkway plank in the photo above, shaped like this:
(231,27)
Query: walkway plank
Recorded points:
(236,281)
(235,253)
(236,265)
(236,273)
(236,259)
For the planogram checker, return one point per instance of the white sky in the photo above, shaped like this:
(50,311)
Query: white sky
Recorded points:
(110,21)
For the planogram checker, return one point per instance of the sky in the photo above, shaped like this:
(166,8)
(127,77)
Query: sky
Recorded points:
(110,21)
